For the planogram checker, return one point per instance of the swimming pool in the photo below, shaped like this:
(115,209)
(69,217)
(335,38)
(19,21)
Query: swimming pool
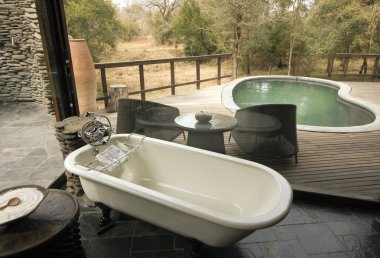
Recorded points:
(322,105)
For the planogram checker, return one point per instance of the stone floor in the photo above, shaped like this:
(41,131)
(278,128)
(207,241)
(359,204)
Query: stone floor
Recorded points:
(315,230)
(29,151)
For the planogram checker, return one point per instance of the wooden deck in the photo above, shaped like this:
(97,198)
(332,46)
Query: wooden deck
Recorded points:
(342,164)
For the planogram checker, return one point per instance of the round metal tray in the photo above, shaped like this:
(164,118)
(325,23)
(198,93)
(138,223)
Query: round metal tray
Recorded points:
(30,209)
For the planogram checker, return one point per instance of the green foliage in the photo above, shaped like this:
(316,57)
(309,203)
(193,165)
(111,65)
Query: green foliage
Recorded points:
(134,19)
(192,27)
(131,29)
(162,30)
(163,12)
(95,21)
(345,26)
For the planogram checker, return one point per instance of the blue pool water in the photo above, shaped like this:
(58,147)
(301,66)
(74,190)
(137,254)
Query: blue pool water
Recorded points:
(317,105)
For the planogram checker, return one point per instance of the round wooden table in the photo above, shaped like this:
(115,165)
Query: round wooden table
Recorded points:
(52,230)
(208,136)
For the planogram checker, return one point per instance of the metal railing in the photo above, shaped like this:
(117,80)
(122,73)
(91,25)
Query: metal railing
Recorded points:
(141,63)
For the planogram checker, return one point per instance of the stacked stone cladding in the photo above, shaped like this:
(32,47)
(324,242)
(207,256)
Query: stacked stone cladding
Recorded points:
(23,71)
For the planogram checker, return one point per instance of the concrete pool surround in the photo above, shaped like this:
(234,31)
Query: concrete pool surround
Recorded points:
(343,94)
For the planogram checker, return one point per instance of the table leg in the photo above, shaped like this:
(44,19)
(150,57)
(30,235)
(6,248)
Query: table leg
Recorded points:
(207,141)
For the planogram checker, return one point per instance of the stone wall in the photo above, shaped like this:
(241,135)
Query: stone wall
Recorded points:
(23,72)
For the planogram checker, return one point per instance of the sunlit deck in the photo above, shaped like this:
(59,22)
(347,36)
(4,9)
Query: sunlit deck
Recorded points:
(342,164)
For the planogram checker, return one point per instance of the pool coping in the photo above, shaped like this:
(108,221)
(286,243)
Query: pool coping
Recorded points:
(343,92)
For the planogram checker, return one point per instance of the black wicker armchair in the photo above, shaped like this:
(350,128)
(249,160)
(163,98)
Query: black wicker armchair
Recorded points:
(267,131)
(148,118)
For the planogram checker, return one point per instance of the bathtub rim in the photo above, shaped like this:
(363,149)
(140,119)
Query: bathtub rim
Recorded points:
(343,93)
(276,214)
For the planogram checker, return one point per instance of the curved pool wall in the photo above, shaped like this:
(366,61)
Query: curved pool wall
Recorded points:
(343,93)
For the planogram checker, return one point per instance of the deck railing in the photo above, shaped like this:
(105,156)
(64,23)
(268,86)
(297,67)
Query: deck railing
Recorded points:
(197,59)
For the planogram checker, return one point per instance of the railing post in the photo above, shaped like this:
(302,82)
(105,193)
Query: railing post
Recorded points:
(172,77)
(104,85)
(376,69)
(345,66)
(142,81)
(198,73)
(219,70)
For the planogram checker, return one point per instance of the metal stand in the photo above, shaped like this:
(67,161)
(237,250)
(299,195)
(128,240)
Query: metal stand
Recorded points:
(105,222)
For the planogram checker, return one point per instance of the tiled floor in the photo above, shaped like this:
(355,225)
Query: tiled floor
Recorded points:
(310,230)
(29,150)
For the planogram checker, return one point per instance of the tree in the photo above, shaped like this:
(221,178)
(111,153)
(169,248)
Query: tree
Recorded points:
(292,13)
(163,13)
(166,8)
(136,18)
(95,21)
(344,26)
(233,22)
(193,28)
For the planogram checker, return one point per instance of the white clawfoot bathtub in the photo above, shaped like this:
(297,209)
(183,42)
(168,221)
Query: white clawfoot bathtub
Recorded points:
(211,197)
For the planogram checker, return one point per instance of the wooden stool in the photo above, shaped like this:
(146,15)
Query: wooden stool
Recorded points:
(116,91)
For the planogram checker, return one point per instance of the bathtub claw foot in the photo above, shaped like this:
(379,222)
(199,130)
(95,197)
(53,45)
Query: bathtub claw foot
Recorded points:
(197,250)
(105,219)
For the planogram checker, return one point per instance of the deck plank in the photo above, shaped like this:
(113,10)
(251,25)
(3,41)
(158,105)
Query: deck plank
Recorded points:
(346,164)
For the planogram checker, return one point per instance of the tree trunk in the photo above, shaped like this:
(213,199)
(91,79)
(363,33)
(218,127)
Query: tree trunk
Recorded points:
(234,66)
(236,51)
(247,65)
(290,55)
(330,65)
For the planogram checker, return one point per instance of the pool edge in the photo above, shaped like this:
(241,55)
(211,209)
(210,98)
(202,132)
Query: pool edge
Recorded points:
(343,93)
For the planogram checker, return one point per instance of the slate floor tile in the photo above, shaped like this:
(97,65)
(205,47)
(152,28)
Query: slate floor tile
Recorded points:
(52,161)
(28,162)
(227,252)
(261,235)
(365,213)
(124,228)
(332,255)
(349,227)
(317,238)
(298,215)
(8,163)
(142,255)
(45,173)
(334,214)
(18,175)
(109,248)
(15,152)
(284,232)
(169,254)
(371,241)
(88,226)
(253,248)
(355,248)
(153,243)
(282,249)
(144,229)
(374,224)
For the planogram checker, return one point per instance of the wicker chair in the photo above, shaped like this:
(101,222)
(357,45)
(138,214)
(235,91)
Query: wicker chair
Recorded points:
(147,118)
(267,131)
